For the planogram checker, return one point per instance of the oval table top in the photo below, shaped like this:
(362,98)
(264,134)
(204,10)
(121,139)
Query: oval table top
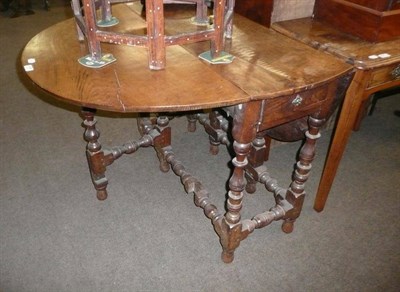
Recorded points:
(266,65)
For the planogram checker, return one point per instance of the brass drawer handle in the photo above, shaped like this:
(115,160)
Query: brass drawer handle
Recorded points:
(297,100)
(396,72)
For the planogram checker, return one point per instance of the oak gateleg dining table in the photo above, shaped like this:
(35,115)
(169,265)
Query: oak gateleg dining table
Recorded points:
(275,87)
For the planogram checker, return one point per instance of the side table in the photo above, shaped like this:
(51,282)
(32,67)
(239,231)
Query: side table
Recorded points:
(377,68)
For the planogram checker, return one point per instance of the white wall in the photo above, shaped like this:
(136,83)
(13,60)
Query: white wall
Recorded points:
(291,9)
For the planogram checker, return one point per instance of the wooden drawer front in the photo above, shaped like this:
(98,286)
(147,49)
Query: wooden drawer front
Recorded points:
(288,108)
(382,75)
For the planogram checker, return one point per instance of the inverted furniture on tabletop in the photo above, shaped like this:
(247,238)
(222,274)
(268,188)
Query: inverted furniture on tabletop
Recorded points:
(92,28)
(274,86)
(377,68)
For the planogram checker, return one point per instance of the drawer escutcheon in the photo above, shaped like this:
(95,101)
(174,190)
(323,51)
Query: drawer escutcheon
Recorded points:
(396,72)
(297,100)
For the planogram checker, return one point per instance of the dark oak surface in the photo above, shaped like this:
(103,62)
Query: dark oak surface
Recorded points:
(373,74)
(266,65)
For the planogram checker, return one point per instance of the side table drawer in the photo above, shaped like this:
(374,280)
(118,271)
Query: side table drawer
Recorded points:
(287,108)
(385,74)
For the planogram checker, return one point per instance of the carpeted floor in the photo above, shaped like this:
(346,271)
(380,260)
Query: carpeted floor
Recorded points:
(148,235)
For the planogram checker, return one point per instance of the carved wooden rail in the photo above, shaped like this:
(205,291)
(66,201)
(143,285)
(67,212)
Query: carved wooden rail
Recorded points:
(155,40)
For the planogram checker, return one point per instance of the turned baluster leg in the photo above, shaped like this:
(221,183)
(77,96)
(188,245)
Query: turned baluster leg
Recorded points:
(95,154)
(231,223)
(295,194)
(192,119)
(215,125)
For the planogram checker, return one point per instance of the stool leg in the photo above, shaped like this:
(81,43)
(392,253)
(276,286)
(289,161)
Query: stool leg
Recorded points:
(94,154)
(89,10)
(217,42)
(156,34)
(201,11)
(228,21)
(105,9)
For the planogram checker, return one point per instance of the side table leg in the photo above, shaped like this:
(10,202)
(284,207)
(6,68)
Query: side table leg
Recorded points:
(362,112)
(347,117)
(295,194)
(94,154)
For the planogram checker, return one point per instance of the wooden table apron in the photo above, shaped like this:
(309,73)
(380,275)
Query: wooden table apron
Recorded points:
(377,68)
(272,87)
